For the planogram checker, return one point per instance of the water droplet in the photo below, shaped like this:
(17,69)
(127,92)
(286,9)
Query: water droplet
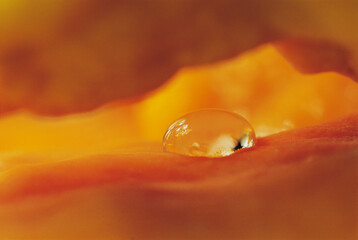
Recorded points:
(209,133)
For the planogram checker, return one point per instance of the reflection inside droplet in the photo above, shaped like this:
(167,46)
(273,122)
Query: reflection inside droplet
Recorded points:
(210,133)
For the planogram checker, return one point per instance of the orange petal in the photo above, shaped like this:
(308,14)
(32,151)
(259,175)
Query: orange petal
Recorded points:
(301,181)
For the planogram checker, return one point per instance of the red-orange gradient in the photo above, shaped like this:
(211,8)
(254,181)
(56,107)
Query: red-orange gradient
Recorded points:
(95,176)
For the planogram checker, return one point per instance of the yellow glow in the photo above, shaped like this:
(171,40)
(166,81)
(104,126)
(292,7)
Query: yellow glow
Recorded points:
(260,85)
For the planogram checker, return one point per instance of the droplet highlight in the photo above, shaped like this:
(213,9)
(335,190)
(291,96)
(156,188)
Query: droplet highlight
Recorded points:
(209,133)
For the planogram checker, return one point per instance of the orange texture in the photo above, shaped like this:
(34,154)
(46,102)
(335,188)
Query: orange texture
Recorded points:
(291,185)
(85,100)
